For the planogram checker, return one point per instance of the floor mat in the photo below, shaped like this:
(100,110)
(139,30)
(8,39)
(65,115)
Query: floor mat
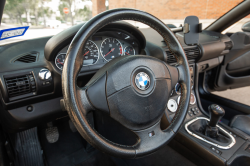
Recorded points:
(27,148)
(70,149)
(166,156)
(97,159)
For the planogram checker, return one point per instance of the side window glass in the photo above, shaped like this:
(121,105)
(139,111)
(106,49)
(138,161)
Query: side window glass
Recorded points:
(237,27)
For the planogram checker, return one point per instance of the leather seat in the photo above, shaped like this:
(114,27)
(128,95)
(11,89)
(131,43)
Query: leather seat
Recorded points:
(241,123)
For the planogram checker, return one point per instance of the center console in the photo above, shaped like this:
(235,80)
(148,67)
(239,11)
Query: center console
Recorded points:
(209,131)
(204,134)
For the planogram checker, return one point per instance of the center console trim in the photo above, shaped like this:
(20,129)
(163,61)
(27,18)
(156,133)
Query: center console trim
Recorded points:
(209,142)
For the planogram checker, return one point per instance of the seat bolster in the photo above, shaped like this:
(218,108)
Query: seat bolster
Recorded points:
(242,123)
(244,135)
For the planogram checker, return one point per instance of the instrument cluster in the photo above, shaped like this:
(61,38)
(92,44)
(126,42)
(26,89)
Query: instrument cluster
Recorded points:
(102,48)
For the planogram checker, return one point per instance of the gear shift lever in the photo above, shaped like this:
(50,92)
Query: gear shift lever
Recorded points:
(216,113)
(207,130)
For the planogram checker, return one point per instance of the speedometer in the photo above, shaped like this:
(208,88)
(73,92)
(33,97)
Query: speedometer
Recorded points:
(90,53)
(111,48)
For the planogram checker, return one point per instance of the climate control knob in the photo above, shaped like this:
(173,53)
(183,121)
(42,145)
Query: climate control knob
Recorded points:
(44,74)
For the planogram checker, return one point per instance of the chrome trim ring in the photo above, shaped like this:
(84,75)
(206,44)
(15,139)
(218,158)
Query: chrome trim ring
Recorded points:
(175,88)
(194,99)
(209,142)
(56,58)
(125,49)
(170,107)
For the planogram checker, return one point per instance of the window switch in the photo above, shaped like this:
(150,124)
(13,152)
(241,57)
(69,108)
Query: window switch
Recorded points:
(216,150)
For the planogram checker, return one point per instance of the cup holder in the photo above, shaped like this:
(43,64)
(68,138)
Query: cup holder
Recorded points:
(242,161)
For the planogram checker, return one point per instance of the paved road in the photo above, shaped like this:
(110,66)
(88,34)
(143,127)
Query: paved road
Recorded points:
(241,95)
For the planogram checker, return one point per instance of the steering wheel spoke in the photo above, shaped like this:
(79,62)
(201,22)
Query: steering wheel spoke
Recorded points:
(86,106)
(175,74)
(150,139)
(96,93)
(182,73)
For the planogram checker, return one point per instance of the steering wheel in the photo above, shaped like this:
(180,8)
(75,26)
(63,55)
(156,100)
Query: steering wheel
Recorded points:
(133,90)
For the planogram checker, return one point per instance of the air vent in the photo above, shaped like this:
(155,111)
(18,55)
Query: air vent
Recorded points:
(28,58)
(20,86)
(191,53)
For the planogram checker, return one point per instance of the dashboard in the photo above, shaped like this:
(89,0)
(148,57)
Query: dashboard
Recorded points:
(103,47)
(31,81)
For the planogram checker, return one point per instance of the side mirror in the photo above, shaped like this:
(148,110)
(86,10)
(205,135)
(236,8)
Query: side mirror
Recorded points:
(171,25)
(246,27)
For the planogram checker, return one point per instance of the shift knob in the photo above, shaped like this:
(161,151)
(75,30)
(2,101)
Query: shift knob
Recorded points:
(216,113)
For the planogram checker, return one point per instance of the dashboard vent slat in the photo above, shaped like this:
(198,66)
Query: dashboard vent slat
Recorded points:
(19,85)
(191,53)
(28,58)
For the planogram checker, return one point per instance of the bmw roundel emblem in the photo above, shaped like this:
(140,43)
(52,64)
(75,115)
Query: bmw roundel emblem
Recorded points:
(142,81)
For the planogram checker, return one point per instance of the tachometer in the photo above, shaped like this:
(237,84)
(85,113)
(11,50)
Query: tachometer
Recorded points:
(91,53)
(111,48)
(129,50)
(59,61)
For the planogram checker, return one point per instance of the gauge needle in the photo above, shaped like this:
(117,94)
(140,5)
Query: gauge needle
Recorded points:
(86,53)
(127,53)
(59,62)
(110,51)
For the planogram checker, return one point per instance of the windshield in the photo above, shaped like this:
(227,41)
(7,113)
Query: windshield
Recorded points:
(49,17)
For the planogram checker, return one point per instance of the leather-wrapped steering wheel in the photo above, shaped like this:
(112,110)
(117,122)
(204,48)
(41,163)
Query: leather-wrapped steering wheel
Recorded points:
(133,90)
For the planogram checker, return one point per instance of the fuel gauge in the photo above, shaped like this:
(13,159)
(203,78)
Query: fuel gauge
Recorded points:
(59,60)
(129,50)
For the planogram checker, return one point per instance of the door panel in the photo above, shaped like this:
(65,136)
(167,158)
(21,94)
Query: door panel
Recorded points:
(241,62)
(235,70)
(229,83)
